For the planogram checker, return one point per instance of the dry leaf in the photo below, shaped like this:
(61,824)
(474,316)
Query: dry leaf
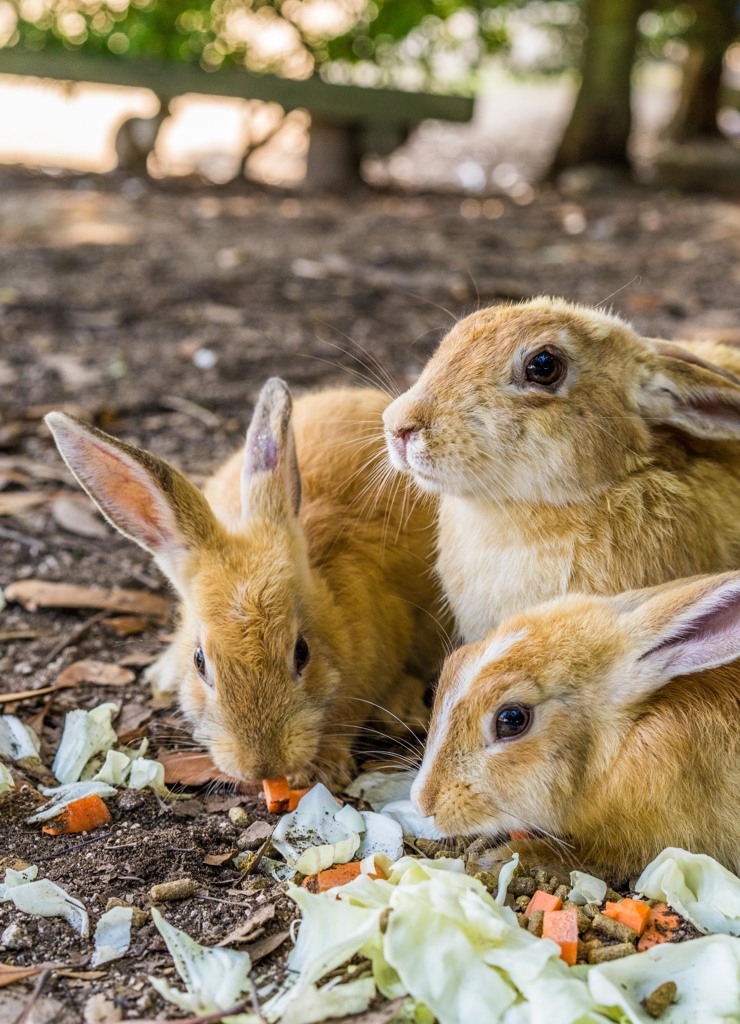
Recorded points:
(10,973)
(256,920)
(127,625)
(13,502)
(263,947)
(90,671)
(76,515)
(137,660)
(82,975)
(34,594)
(215,860)
(132,719)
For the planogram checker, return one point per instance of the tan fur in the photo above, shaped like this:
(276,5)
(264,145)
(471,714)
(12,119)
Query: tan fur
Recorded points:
(619,761)
(599,485)
(353,576)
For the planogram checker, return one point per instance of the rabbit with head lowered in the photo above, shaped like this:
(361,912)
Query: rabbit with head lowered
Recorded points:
(571,455)
(610,723)
(308,601)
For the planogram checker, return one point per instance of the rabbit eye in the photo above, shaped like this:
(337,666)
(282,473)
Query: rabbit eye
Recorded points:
(199,660)
(512,720)
(302,654)
(545,368)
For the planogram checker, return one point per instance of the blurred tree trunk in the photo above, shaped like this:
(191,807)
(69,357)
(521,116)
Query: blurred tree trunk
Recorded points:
(600,124)
(713,30)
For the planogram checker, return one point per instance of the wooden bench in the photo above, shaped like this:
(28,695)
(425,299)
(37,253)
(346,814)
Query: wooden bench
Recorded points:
(348,122)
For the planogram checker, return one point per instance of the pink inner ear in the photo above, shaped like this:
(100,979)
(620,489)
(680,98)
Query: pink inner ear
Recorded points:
(711,638)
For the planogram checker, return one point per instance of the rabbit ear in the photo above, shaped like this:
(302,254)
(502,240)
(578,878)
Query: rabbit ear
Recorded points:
(142,496)
(679,628)
(271,481)
(686,392)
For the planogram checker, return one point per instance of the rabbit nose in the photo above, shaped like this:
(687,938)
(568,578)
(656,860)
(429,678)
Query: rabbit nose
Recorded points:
(406,433)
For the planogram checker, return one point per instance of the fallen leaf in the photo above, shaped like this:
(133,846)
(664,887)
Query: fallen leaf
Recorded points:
(263,947)
(34,594)
(127,625)
(13,502)
(215,860)
(256,920)
(101,673)
(82,975)
(139,660)
(10,973)
(131,720)
(76,515)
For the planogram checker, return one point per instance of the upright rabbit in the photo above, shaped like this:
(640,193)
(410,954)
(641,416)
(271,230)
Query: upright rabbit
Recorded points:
(610,723)
(307,601)
(571,455)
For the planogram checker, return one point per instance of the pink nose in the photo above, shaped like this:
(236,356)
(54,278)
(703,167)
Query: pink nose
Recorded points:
(406,434)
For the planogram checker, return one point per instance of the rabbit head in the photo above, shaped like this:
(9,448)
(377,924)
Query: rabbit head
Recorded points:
(256,667)
(550,402)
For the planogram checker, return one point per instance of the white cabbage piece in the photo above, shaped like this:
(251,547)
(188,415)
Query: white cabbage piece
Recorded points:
(115,768)
(382,835)
(147,774)
(411,822)
(7,782)
(697,886)
(112,935)
(43,898)
(381,788)
(505,875)
(61,796)
(215,978)
(333,1000)
(17,741)
(318,833)
(86,733)
(586,888)
(706,972)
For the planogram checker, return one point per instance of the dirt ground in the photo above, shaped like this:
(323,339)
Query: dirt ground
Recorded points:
(158,312)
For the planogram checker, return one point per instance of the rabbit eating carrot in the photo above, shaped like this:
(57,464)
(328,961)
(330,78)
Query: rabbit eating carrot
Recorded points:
(607,726)
(571,455)
(307,602)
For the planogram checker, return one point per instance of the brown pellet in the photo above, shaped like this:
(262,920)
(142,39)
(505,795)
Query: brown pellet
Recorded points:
(522,886)
(562,892)
(489,880)
(543,881)
(536,920)
(521,902)
(138,917)
(239,817)
(601,954)
(612,929)
(591,909)
(658,1001)
(178,889)
(523,920)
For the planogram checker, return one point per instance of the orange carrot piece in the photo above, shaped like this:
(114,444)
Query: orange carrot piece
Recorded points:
(662,924)
(277,794)
(294,796)
(340,874)
(81,816)
(562,927)
(542,901)
(633,913)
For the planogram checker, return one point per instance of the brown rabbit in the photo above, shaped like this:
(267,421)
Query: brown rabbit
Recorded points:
(571,455)
(307,602)
(610,723)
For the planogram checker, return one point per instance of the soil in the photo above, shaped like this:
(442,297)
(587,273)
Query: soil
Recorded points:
(158,312)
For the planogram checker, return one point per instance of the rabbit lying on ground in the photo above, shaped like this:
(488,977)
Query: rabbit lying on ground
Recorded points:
(307,599)
(610,723)
(571,455)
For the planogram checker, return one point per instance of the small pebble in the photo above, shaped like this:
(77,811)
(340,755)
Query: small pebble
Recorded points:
(601,954)
(139,916)
(254,836)
(658,1001)
(239,817)
(612,929)
(16,937)
(536,920)
(178,889)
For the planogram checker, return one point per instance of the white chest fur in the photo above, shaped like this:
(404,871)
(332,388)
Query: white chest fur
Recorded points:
(494,564)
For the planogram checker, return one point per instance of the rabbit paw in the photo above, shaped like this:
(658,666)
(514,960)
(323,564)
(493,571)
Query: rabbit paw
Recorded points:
(533,853)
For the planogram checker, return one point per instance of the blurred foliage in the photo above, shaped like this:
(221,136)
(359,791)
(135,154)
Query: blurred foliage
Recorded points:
(423,44)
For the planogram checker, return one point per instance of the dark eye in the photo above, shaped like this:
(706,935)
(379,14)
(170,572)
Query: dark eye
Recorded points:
(545,368)
(302,654)
(199,660)
(512,721)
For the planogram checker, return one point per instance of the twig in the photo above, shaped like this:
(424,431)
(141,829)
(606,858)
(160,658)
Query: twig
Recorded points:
(23,538)
(27,1010)
(77,634)
(72,849)
(192,409)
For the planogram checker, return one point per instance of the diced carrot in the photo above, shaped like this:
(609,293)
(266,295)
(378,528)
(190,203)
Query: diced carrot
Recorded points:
(340,874)
(542,901)
(81,816)
(277,794)
(562,927)
(662,925)
(519,834)
(294,796)
(633,913)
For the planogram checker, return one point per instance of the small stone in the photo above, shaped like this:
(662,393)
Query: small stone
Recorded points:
(239,817)
(601,954)
(100,1010)
(658,1001)
(16,937)
(536,920)
(612,929)
(130,799)
(138,917)
(178,889)
(522,886)
(254,836)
